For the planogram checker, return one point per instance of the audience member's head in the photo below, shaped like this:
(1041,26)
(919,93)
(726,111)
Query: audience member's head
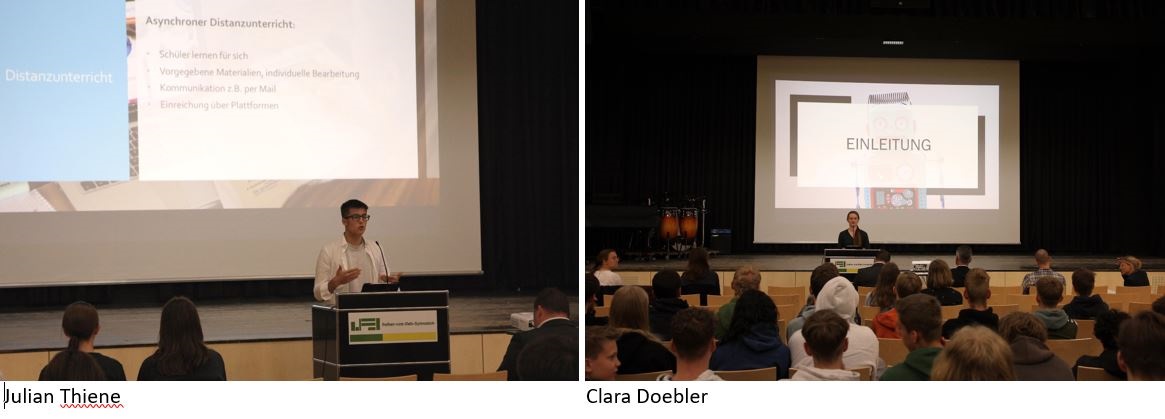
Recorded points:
(72,365)
(974,353)
(1018,323)
(752,308)
(666,284)
(908,283)
(1049,292)
(920,321)
(963,255)
(939,275)
(825,337)
(693,333)
(821,274)
(606,260)
(549,304)
(698,262)
(180,343)
(602,354)
(978,288)
(1141,339)
(1159,306)
(838,295)
(884,295)
(1083,281)
(882,256)
(746,278)
(549,358)
(592,291)
(1128,264)
(1043,259)
(629,309)
(80,323)
(1108,324)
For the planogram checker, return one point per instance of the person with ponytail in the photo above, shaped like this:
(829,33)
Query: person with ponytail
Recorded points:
(181,354)
(604,265)
(81,325)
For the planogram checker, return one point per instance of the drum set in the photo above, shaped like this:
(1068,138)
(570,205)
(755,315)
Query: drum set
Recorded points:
(680,226)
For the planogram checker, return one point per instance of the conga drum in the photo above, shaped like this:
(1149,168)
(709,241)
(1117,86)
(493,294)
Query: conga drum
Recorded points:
(689,223)
(669,223)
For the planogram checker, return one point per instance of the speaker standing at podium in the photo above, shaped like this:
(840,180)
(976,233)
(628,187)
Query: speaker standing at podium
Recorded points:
(348,263)
(853,236)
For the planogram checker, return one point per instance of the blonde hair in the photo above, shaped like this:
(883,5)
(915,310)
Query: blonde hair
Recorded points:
(629,309)
(746,278)
(1132,260)
(939,275)
(975,353)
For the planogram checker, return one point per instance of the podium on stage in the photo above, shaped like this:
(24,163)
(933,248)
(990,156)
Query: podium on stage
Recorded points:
(848,261)
(381,334)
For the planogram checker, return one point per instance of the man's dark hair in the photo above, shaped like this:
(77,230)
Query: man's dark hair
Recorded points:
(822,274)
(551,358)
(883,256)
(752,308)
(591,286)
(692,329)
(554,300)
(666,284)
(921,313)
(1141,339)
(597,336)
(824,332)
(963,253)
(1083,281)
(1050,291)
(1108,324)
(350,205)
(1159,306)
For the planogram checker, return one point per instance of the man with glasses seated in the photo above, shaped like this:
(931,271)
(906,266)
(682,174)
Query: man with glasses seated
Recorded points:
(347,264)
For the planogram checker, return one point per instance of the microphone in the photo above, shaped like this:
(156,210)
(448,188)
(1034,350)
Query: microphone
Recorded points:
(382,259)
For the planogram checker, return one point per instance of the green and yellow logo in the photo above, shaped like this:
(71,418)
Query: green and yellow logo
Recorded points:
(363,324)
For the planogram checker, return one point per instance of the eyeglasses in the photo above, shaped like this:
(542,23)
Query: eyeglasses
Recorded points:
(355,217)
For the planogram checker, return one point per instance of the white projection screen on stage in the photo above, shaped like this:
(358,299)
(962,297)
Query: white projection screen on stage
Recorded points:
(157,141)
(927,151)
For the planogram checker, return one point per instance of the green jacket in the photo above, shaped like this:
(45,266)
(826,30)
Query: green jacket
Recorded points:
(916,367)
(724,318)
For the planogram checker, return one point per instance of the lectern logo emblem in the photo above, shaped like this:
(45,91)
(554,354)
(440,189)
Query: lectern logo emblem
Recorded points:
(361,324)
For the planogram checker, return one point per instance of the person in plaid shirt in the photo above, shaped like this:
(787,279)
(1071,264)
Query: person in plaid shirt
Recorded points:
(1044,262)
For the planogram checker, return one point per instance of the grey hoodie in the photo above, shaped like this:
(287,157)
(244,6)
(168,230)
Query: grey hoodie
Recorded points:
(818,374)
(1058,324)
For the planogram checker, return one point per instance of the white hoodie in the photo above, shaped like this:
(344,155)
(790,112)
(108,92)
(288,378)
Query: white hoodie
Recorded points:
(838,295)
(818,374)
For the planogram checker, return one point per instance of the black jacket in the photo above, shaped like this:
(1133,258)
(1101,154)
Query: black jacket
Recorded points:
(969,317)
(1106,360)
(946,296)
(556,327)
(640,354)
(959,273)
(1085,308)
(1136,279)
(661,312)
(868,276)
(212,370)
(845,240)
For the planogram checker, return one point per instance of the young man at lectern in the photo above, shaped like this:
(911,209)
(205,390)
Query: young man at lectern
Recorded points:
(853,236)
(348,263)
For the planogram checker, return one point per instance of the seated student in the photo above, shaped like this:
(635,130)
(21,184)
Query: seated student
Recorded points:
(975,354)
(839,296)
(938,284)
(1049,292)
(886,322)
(821,274)
(602,355)
(181,354)
(605,263)
(825,340)
(639,350)
(81,325)
(693,341)
(1033,360)
(666,286)
(752,341)
(883,295)
(1132,273)
(868,276)
(978,290)
(72,365)
(591,296)
(920,322)
(699,278)
(746,278)
(959,272)
(1107,325)
(1085,305)
(1044,265)
(1141,339)
(550,358)
(551,318)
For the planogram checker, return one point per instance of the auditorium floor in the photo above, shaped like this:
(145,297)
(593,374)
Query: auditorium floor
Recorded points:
(237,322)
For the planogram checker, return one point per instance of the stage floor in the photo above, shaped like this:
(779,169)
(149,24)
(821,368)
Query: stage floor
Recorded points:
(238,322)
(806,262)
